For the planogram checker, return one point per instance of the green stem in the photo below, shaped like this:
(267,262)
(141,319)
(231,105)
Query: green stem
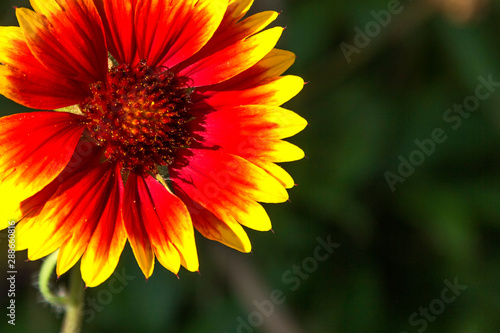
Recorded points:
(74,306)
(71,302)
(44,280)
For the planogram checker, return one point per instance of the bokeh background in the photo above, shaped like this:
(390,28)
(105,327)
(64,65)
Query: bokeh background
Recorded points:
(398,248)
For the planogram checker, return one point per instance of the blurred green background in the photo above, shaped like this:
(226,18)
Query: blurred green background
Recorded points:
(398,249)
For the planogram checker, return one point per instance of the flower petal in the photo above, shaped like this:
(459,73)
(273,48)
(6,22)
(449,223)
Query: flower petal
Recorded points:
(8,214)
(252,132)
(228,232)
(276,171)
(269,68)
(230,33)
(66,36)
(259,121)
(172,31)
(72,215)
(165,219)
(134,222)
(100,206)
(84,156)
(235,11)
(65,213)
(232,60)
(108,239)
(227,185)
(27,82)
(118,21)
(34,149)
(275,92)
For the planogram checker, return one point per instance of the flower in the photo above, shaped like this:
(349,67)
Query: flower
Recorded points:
(167,116)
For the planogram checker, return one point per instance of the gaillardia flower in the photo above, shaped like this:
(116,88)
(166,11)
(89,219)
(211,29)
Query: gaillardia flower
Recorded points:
(165,115)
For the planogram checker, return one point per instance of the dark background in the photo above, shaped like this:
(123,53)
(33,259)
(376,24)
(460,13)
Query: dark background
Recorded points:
(398,250)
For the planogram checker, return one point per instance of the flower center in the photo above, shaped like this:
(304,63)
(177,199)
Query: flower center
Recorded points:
(138,116)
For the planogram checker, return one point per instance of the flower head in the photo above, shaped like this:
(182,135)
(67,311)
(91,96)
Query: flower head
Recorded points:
(167,117)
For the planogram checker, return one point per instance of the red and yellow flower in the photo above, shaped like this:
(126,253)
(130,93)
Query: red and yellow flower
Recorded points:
(167,116)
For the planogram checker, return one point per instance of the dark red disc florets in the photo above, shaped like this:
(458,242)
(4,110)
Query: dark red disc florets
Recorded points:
(138,116)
